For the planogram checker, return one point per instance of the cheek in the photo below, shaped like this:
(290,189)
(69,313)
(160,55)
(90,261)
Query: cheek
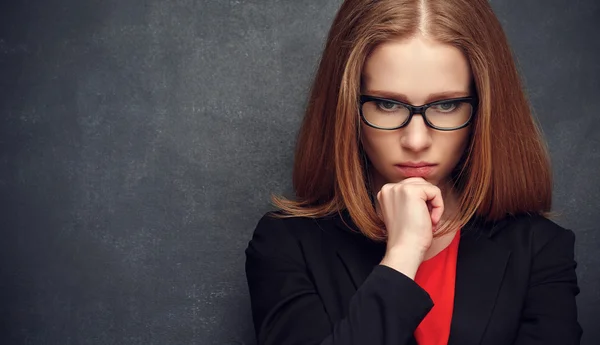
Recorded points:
(374,142)
(365,138)
(455,145)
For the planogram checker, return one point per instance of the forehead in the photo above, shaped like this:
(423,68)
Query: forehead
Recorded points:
(416,67)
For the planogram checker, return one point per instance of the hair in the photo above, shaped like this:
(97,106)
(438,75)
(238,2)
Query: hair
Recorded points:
(505,169)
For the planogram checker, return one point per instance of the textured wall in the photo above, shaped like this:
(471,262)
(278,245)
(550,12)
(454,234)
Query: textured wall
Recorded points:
(139,142)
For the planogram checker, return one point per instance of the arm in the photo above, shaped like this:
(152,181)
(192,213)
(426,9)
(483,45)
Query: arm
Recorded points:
(287,309)
(550,313)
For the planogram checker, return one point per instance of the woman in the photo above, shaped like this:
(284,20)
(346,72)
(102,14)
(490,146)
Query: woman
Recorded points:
(422,190)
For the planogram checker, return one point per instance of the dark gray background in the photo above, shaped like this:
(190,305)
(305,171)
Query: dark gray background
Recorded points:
(140,141)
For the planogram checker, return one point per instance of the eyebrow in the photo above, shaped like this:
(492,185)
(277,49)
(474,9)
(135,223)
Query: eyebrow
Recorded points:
(431,98)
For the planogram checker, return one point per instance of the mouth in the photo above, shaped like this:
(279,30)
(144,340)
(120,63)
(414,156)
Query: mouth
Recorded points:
(416,169)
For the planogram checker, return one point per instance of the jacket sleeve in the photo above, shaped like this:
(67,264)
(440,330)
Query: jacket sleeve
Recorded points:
(550,312)
(287,308)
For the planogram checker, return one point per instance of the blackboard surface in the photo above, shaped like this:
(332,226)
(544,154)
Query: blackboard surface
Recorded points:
(139,142)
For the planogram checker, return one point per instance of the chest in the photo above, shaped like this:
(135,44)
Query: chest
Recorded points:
(488,297)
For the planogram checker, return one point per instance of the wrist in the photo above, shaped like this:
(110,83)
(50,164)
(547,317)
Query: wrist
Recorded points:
(406,260)
(408,247)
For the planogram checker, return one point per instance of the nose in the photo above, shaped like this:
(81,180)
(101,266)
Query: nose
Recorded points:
(416,135)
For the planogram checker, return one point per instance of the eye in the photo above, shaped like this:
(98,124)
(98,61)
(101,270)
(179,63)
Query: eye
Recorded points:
(387,105)
(446,107)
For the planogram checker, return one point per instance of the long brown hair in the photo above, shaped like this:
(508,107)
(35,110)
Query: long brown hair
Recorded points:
(506,168)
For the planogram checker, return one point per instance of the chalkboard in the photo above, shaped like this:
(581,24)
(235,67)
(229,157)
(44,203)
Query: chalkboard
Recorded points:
(140,142)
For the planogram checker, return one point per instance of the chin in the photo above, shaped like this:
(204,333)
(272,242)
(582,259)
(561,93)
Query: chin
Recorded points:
(431,180)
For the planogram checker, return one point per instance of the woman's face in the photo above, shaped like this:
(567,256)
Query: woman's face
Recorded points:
(415,71)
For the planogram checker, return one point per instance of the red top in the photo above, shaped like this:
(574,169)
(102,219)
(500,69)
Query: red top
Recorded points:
(437,276)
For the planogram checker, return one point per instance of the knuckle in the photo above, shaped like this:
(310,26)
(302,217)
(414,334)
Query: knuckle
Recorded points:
(407,189)
(384,191)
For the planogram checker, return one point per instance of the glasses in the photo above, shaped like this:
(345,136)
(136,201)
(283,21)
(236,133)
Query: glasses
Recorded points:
(445,115)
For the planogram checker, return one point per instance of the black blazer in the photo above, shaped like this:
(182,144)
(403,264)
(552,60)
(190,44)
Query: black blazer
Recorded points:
(314,281)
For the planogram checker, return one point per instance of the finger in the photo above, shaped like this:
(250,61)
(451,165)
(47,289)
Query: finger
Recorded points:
(436,214)
(433,197)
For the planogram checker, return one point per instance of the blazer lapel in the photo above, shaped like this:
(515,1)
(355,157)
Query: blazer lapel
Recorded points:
(358,253)
(479,274)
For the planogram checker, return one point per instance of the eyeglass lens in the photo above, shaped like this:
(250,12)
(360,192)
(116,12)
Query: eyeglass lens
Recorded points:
(386,114)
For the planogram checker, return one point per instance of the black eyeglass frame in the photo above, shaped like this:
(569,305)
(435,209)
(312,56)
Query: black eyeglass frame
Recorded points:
(419,110)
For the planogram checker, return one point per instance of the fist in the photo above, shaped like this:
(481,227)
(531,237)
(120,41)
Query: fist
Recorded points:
(411,209)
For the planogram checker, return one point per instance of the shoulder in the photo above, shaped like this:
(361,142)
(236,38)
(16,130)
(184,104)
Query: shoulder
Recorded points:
(277,235)
(276,223)
(532,231)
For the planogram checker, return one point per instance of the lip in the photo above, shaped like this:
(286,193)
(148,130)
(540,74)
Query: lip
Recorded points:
(416,169)
(415,164)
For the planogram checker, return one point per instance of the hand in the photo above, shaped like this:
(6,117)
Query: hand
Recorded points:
(410,209)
